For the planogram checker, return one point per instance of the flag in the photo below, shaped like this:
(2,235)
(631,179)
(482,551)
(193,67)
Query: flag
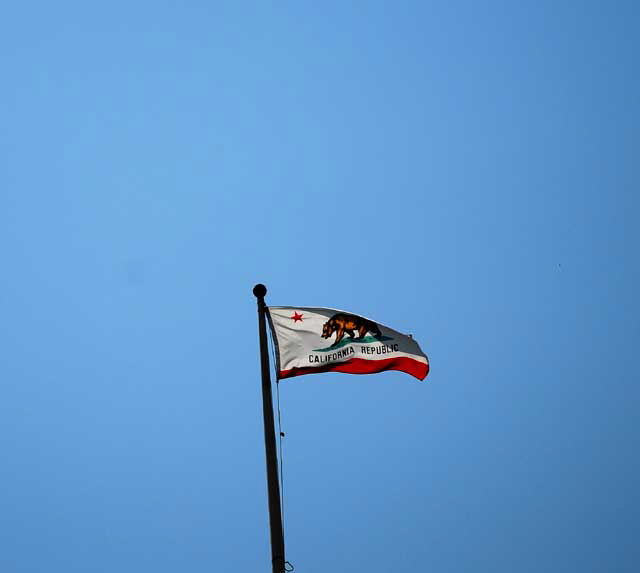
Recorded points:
(309,340)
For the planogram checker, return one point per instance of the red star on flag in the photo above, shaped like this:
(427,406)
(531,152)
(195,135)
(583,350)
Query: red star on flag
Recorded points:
(296,317)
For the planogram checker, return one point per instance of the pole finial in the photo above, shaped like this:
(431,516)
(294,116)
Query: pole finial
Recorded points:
(260,290)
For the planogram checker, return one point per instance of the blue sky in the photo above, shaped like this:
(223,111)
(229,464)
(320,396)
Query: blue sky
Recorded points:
(463,171)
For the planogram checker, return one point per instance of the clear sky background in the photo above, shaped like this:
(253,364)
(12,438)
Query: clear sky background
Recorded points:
(464,171)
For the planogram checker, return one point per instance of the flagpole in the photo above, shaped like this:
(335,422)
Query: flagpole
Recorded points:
(273,488)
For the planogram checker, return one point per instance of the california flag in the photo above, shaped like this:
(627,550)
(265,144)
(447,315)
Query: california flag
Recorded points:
(312,340)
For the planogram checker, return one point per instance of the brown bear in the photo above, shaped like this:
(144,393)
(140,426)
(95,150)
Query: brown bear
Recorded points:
(349,323)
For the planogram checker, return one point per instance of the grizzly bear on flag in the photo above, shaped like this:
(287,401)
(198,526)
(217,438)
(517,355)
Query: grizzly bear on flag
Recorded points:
(349,323)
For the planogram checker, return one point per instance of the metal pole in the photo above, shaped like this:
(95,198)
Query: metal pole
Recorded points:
(273,487)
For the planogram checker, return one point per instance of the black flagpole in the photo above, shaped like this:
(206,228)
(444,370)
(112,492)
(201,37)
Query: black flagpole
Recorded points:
(275,516)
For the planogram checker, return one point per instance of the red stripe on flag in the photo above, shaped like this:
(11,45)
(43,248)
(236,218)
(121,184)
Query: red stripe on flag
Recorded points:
(363,366)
